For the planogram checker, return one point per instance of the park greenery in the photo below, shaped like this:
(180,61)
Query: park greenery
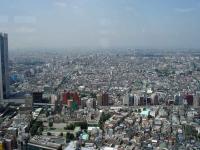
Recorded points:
(36,127)
(103,118)
(72,126)
(69,137)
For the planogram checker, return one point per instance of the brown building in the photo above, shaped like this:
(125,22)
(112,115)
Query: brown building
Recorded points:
(105,99)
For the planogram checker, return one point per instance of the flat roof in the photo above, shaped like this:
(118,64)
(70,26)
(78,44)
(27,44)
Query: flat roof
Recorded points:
(42,146)
(145,112)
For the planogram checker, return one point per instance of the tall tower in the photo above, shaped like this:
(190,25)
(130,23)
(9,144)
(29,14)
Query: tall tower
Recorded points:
(4,79)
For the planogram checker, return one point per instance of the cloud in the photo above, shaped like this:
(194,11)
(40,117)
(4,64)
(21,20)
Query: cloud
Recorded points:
(184,10)
(4,29)
(60,4)
(143,30)
(75,7)
(25,19)
(3,19)
(104,22)
(25,30)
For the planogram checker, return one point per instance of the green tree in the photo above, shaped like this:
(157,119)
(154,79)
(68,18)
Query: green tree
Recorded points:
(78,134)
(61,134)
(70,127)
(34,127)
(40,129)
(48,133)
(83,95)
(69,137)
(93,95)
(149,117)
(47,114)
(103,118)
(50,124)
(83,125)
(33,130)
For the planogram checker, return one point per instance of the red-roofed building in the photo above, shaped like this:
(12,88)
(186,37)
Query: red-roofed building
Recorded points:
(71,95)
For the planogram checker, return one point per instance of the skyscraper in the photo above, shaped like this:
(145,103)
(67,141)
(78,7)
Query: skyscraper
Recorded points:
(4,81)
(105,99)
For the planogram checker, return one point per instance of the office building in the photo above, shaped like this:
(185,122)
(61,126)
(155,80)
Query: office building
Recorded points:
(4,77)
(99,99)
(154,99)
(28,101)
(37,97)
(105,99)
(128,100)
(189,98)
(196,99)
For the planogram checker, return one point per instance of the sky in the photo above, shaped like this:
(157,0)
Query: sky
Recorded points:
(101,24)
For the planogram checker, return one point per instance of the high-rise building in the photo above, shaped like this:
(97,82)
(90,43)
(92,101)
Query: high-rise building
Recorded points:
(28,101)
(189,98)
(136,100)
(131,100)
(196,99)
(99,99)
(128,100)
(154,99)
(37,97)
(105,99)
(4,77)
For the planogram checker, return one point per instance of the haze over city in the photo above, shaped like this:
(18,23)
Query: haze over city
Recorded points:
(99,75)
(101,24)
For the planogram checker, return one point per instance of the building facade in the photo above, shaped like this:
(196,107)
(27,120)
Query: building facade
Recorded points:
(105,99)
(4,76)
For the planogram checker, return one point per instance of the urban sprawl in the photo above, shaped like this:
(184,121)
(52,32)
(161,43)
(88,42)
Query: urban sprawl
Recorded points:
(100,100)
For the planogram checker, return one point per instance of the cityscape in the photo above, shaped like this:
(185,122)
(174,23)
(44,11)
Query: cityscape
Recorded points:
(104,98)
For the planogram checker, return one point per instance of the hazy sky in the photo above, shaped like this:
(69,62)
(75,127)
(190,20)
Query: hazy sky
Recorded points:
(101,23)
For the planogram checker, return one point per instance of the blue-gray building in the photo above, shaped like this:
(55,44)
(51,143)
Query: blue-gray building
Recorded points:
(4,76)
